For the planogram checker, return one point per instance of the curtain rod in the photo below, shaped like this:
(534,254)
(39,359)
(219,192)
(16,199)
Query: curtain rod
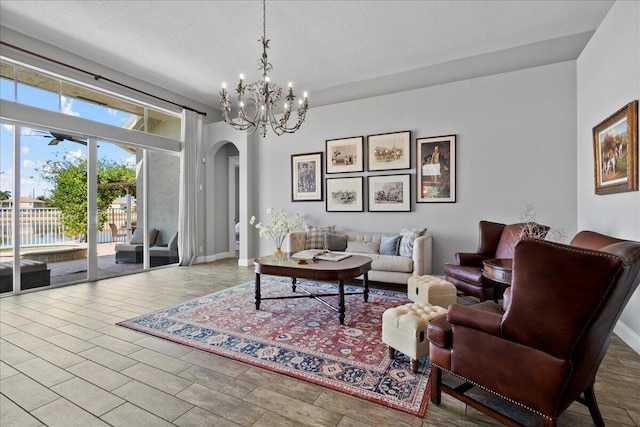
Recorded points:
(99,77)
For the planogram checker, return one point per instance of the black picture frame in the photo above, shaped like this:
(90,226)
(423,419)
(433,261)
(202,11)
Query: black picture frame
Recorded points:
(306,177)
(344,155)
(345,194)
(389,151)
(389,193)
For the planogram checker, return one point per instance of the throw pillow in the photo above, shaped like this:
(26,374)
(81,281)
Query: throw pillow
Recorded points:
(138,237)
(363,247)
(406,242)
(389,245)
(315,236)
(173,243)
(335,242)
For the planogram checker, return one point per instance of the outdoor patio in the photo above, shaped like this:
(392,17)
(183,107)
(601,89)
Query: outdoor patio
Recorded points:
(70,271)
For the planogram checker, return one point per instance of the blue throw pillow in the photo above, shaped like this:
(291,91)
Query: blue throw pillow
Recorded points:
(389,245)
(408,236)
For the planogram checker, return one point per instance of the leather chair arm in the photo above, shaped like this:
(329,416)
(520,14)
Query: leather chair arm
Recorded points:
(439,332)
(485,317)
(470,259)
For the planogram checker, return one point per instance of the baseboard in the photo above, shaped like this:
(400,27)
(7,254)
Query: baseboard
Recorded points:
(214,257)
(628,335)
(245,262)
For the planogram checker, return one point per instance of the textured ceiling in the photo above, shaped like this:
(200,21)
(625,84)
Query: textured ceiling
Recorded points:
(191,47)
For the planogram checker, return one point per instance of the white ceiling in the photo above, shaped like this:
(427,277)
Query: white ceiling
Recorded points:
(336,50)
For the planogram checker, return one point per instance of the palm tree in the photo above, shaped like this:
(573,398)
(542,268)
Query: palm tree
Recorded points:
(5,195)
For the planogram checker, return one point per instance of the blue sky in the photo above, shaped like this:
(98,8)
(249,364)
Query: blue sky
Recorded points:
(34,147)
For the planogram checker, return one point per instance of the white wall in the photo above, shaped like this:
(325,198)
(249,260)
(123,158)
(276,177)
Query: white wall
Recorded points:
(515,142)
(608,77)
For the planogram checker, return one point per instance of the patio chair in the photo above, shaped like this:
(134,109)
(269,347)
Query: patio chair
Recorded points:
(163,254)
(132,253)
(117,233)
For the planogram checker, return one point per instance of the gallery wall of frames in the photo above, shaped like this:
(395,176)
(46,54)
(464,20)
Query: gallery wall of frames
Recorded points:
(343,162)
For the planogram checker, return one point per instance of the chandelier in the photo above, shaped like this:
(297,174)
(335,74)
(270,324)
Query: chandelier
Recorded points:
(264,95)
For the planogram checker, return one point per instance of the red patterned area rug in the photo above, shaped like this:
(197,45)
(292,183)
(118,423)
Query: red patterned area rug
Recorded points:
(300,337)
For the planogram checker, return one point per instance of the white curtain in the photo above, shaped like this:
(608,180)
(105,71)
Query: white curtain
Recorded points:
(190,173)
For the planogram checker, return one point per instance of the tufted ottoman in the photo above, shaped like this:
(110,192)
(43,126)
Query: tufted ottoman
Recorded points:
(431,289)
(404,329)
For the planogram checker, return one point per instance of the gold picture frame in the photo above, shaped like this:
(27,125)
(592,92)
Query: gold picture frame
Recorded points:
(615,151)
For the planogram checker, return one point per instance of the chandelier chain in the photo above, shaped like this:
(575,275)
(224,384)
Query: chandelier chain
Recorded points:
(264,95)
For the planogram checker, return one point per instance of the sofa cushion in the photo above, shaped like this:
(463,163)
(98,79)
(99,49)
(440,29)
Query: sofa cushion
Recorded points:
(26,266)
(137,238)
(389,245)
(159,251)
(363,247)
(395,264)
(315,236)
(406,242)
(335,242)
(129,248)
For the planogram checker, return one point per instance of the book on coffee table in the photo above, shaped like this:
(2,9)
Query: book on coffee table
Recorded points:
(333,256)
(311,254)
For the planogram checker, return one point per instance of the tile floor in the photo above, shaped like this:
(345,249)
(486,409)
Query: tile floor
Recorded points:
(63,362)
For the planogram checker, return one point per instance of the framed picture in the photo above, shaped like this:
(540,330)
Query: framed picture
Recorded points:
(615,151)
(389,151)
(345,194)
(344,155)
(306,177)
(389,193)
(436,169)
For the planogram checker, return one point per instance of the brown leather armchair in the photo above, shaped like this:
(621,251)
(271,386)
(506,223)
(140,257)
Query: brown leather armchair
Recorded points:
(496,241)
(541,350)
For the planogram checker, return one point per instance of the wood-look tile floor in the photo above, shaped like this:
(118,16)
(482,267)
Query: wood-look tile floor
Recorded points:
(63,362)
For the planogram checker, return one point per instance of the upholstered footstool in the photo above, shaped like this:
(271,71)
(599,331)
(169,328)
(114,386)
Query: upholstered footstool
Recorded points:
(404,329)
(431,289)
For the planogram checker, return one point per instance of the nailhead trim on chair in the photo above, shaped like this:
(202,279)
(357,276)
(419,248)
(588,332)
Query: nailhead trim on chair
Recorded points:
(493,392)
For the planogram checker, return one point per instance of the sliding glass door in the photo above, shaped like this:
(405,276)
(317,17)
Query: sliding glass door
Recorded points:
(44,212)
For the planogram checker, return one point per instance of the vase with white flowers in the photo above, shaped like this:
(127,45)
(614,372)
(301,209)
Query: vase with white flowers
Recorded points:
(278,227)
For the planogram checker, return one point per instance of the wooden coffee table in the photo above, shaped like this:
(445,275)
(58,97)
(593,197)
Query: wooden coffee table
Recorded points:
(340,271)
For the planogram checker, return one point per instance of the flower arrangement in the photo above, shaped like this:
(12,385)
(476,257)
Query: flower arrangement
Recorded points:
(278,227)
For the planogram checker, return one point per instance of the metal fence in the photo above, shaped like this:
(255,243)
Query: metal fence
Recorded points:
(43,226)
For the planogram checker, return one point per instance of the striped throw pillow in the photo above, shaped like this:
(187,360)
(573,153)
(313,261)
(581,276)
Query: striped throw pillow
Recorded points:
(406,241)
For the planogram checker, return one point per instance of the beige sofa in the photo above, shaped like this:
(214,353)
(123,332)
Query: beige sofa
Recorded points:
(384,268)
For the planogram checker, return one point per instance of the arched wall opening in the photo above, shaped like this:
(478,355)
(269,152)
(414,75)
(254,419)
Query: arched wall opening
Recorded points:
(226,190)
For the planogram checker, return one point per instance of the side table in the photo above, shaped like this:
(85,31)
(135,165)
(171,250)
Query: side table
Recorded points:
(498,269)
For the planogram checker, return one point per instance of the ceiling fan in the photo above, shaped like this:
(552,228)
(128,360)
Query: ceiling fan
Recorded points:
(59,137)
